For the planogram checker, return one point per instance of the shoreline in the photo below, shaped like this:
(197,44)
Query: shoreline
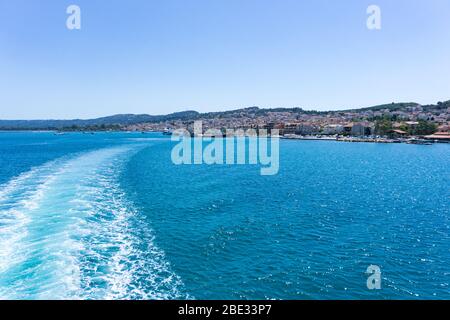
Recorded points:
(412,140)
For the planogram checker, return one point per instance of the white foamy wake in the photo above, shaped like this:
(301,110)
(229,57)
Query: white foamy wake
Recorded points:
(68,232)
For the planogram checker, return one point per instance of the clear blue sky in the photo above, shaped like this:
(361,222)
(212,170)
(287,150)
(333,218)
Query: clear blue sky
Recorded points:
(157,57)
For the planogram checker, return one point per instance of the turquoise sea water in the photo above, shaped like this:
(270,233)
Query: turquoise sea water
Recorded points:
(108,216)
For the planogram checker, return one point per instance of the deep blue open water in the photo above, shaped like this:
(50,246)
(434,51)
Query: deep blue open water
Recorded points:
(108,216)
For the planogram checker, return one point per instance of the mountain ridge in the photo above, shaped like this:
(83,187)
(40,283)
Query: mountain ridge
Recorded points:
(189,115)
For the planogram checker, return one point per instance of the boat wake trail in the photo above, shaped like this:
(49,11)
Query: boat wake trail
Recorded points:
(67,231)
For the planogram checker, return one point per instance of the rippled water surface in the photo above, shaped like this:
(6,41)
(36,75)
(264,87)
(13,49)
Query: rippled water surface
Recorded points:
(108,216)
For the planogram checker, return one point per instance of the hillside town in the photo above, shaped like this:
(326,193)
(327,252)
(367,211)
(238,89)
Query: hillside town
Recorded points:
(386,123)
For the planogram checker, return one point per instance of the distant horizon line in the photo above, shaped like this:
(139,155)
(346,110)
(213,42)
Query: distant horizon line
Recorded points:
(225,110)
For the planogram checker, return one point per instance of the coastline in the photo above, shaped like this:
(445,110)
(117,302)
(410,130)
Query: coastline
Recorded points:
(348,139)
(413,140)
